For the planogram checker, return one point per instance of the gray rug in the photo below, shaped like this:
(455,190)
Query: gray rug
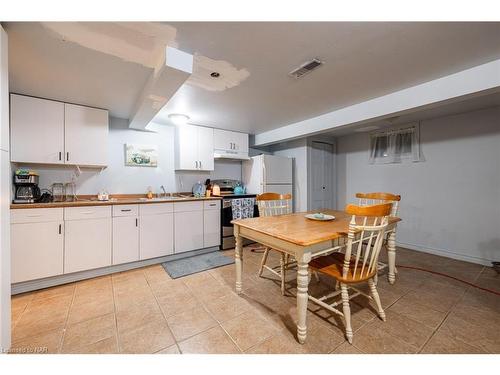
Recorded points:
(197,263)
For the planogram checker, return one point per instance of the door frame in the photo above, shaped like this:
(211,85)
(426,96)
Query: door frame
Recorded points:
(329,141)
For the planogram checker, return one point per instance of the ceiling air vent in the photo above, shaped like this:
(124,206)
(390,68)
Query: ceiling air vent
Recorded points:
(305,68)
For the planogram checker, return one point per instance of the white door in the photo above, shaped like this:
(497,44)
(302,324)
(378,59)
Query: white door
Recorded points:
(186,147)
(156,235)
(125,239)
(188,231)
(206,148)
(321,176)
(277,170)
(37,130)
(85,135)
(211,228)
(87,244)
(36,250)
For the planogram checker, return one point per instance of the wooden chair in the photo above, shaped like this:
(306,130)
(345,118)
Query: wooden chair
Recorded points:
(359,262)
(272,204)
(367,199)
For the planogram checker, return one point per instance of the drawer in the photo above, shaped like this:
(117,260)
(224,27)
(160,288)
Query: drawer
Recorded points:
(35,215)
(212,205)
(188,206)
(156,208)
(125,210)
(91,212)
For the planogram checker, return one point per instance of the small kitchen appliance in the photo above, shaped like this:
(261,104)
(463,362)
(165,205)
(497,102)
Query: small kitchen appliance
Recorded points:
(26,186)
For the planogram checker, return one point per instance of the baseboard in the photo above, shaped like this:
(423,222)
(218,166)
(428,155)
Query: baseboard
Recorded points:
(446,253)
(28,286)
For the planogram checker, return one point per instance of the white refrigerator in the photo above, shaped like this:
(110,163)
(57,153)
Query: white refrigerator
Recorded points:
(268,174)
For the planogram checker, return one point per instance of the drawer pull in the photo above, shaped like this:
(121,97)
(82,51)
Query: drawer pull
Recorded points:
(37,215)
(127,210)
(60,227)
(212,205)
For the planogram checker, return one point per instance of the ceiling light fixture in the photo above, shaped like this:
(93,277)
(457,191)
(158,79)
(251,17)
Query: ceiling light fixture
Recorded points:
(178,118)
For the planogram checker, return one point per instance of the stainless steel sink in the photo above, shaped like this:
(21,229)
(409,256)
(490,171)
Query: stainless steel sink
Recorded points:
(159,199)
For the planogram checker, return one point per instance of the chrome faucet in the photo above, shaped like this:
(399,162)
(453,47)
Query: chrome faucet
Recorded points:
(164,191)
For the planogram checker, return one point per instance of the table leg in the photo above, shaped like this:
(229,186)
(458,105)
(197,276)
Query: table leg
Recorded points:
(391,256)
(302,296)
(238,253)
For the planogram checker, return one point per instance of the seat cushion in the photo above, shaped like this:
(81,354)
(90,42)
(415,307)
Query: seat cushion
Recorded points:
(332,265)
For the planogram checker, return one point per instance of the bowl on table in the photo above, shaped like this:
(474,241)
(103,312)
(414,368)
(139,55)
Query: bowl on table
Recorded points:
(320,216)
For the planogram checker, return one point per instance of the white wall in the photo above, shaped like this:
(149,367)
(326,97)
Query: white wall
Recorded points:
(450,201)
(298,151)
(120,179)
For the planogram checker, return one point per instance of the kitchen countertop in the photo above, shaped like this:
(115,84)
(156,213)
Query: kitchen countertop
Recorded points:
(122,199)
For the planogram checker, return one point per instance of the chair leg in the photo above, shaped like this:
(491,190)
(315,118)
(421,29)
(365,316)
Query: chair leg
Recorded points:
(375,279)
(283,272)
(376,298)
(347,312)
(337,285)
(263,261)
(316,276)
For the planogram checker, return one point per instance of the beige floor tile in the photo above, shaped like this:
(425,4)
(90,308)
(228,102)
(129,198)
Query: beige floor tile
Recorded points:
(190,323)
(210,290)
(175,303)
(148,338)
(90,310)
(173,349)
(227,307)
(89,332)
(198,279)
(105,346)
(137,316)
(435,299)
(420,313)
(48,342)
(134,299)
(212,341)
(94,285)
(168,288)
(320,340)
(249,329)
(277,344)
(39,319)
(376,340)
(441,343)
(346,348)
(57,291)
(156,274)
(20,301)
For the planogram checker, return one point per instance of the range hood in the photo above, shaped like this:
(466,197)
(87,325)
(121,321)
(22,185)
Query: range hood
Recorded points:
(232,155)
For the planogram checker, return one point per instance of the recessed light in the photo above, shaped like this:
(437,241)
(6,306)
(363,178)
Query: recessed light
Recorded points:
(178,118)
(215,74)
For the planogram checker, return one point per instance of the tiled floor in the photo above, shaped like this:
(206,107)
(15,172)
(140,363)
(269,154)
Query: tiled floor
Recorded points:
(144,311)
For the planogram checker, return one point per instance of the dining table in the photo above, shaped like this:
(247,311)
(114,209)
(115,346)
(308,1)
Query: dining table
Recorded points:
(303,238)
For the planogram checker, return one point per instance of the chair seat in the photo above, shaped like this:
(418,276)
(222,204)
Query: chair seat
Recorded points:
(333,264)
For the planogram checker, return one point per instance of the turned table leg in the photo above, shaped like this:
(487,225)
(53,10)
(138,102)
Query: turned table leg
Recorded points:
(238,252)
(302,296)
(391,256)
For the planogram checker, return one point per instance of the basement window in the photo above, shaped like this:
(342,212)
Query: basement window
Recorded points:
(395,146)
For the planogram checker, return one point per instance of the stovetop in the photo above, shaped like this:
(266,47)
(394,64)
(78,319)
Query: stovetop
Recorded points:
(234,196)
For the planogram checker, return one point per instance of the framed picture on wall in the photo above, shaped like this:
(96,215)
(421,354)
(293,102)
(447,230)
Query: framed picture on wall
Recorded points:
(141,155)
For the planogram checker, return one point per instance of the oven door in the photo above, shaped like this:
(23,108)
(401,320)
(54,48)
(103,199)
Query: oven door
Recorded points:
(227,234)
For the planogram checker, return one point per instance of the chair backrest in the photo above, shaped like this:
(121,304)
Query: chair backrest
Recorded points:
(368,199)
(364,240)
(272,204)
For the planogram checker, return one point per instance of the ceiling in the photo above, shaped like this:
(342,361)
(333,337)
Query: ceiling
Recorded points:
(362,61)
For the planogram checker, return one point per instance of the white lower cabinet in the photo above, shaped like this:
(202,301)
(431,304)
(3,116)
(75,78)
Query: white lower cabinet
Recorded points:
(37,241)
(87,238)
(188,226)
(125,239)
(156,223)
(211,224)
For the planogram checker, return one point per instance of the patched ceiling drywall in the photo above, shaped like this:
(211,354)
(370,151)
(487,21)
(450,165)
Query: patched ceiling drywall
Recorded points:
(107,65)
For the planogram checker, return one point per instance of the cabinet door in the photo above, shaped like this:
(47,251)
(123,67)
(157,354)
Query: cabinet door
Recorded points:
(240,142)
(186,147)
(125,239)
(85,135)
(222,140)
(206,148)
(211,228)
(37,130)
(37,250)
(87,244)
(188,231)
(156,235)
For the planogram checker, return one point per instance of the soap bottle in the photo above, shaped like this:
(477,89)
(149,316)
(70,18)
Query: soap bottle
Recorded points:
(149,194)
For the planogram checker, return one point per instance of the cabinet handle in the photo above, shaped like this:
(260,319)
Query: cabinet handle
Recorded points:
(60,155)
(196,163)
(34,215)
(200,164)
(136,222)
(60,228)
(67,156)
(127,210)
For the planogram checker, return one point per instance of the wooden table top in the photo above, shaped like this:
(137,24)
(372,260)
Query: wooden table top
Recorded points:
(297,229)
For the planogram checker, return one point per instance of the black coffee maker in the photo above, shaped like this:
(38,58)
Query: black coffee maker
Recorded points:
(26,187)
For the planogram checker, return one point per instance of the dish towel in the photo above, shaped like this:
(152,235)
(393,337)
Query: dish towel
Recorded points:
(242,208)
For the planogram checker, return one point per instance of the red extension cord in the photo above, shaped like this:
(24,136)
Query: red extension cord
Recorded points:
(450,277)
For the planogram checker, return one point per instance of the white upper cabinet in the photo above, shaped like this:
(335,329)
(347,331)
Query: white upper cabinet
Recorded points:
(37,130)
(230,145)
(49,132)
(85,135)
(194,148)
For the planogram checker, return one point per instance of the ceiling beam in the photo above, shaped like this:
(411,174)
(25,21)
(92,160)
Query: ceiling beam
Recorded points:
(479,80)
(174,69)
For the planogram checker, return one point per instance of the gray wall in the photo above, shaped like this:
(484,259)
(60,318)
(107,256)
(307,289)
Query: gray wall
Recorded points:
(451,200)
(120,179)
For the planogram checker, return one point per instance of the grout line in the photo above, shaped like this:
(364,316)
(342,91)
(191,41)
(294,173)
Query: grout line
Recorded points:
(115,313)
(63,336)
